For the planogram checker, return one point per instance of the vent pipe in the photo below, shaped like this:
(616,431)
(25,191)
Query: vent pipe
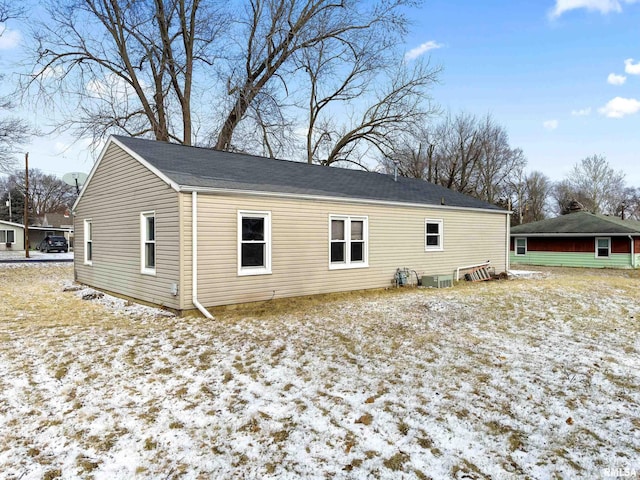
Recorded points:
(395,170)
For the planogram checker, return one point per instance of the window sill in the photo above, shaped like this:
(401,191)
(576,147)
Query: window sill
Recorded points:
(347,266)
(151,273)
(434,249)
(253,272)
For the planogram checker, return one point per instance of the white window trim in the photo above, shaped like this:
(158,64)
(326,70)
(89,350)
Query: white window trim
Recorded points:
(440,247)
(347,264)
(6,234)
(266,269)
(609,244)
(143,241)
(88,221)
(515,246)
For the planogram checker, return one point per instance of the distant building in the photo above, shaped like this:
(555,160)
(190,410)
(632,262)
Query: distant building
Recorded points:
(578,239)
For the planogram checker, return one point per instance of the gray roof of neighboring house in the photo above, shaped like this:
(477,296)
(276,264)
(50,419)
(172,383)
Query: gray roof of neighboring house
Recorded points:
(202,168)
(57,220)
(578,223)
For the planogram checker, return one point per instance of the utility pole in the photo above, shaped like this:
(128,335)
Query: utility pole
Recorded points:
(26,206)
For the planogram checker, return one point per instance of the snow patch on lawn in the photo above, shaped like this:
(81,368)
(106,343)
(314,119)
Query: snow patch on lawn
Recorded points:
(514,379)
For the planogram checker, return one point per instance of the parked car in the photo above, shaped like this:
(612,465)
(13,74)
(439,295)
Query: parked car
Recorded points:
(54,243)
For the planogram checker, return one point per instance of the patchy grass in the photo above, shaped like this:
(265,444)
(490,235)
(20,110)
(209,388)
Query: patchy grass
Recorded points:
(510,379)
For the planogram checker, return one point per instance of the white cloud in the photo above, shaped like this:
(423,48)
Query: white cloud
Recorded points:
(61,147)
(582,112)
(51,72)
(110,88)
(620,107)
(602,6)
(550,124)
(631,68)
(9,38)
(614,79)
(421,50)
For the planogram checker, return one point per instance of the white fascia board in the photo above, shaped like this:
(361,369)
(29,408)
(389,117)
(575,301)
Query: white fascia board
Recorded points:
(57,229)
(600,234)
(141,160)
(225,191)
(12,224)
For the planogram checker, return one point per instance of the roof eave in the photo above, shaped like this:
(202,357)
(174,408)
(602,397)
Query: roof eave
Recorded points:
(329,198)
(576,234)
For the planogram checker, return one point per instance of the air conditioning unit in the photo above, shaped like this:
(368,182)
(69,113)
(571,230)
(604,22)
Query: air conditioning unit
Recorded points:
(437,281)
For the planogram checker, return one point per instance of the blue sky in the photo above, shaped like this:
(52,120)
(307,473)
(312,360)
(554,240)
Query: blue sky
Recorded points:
(552,72)
(542,68)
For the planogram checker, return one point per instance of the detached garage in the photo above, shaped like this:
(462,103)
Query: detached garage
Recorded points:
(185,227)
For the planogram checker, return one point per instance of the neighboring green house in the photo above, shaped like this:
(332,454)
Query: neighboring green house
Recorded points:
(579,239)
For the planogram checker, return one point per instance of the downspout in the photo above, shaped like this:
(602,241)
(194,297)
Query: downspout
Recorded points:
(633,255)
(508,242)
(194,256)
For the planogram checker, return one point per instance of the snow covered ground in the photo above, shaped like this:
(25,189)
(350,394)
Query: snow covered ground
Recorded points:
(34,255)
(535,378)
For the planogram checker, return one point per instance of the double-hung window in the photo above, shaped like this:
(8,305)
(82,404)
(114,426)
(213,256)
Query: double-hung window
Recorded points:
(7,236)
(348,242)
(434,233)
(88,242)
(148,243)
(603,247)
(521,246)
(254,243)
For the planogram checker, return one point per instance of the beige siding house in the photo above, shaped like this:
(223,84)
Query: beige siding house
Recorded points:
(11,236)
(187,228)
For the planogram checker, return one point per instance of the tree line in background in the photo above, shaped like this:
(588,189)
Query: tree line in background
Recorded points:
(472,155)
(47,194)
(314,80)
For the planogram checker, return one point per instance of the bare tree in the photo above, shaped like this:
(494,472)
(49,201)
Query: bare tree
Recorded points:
(538,189)
(47,193)
(464,154)
(13,130)
(594,184)
(498,160)
(395,111)
(413,158)
(629,206)
(277,32)
(129,66)
(459,152)
(10,9)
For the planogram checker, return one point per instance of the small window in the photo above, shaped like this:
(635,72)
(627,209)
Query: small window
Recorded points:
(603,247)
(88,242)
(521,246)
(148,242)
(348,242)
(7,236)
(254,243)
(433,235)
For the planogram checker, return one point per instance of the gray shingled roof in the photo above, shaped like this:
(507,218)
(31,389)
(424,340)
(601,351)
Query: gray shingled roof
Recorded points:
(205,168)
(579,223)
